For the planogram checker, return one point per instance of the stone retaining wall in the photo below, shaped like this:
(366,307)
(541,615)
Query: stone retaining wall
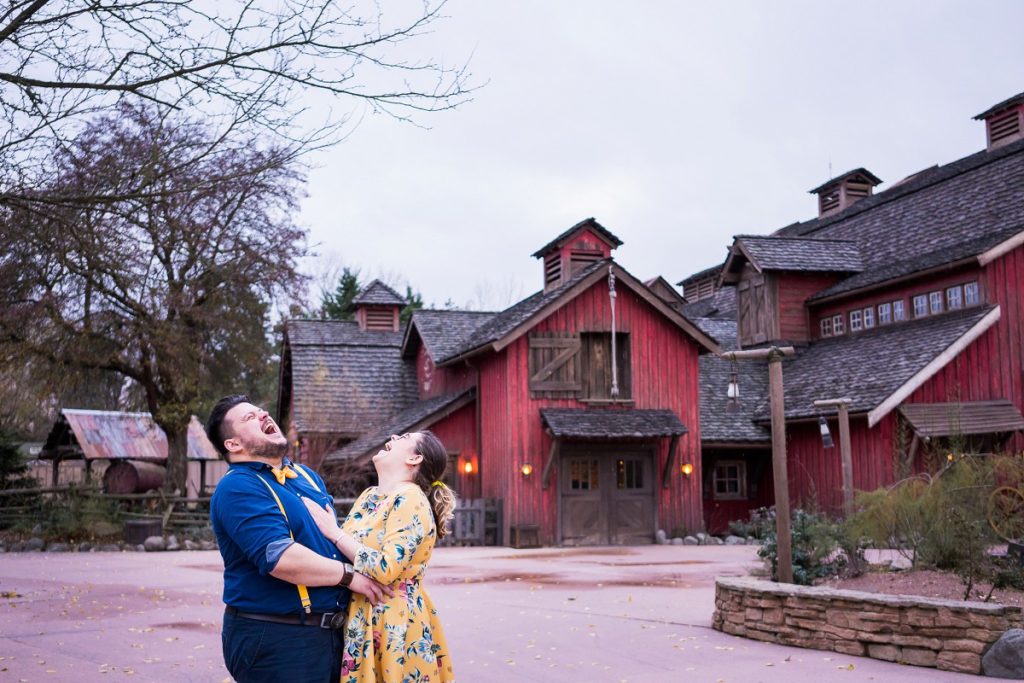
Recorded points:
(944,634)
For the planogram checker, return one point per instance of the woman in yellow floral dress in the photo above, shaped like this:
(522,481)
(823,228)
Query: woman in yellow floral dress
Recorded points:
(390,535)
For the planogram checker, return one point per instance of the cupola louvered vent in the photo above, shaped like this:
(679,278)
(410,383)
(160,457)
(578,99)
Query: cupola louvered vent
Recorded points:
(845,190)
(380,319)
(581,258)
(1004,122)
(552,269)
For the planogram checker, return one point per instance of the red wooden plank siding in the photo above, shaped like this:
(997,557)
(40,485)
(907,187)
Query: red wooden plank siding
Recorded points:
(664,375)
(434,381)
(793,291)
(458,434)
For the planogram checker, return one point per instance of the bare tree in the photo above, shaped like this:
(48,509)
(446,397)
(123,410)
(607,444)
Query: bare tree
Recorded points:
(240,64)
(170,288)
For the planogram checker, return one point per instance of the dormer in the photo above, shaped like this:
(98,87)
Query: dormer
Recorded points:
(378,307)
(1004,122)
(576,248)
(842,191)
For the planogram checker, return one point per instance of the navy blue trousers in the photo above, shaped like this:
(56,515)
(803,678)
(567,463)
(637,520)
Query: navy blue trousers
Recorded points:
(262,652)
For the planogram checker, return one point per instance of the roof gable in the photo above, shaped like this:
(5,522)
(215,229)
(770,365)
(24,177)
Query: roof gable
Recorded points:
(378,294)
(766,253)
(586,224)
(442,332)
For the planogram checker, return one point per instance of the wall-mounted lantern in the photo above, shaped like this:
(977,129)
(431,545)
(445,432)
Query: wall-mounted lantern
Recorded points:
(526,469)
(686,469)
(733,393)
(467,467)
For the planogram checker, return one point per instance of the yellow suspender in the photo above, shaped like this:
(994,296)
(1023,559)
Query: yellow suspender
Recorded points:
(303,591)
(303,472)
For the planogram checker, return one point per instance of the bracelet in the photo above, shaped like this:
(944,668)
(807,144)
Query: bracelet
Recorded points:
(341,534)
(347,572)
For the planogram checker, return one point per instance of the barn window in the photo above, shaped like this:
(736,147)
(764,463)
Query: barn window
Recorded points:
(583,474)
(729,480)
(869,318)
(554,364)
(920,305)
(596,366)
(955,298)
(826,327)
(884,314)
(935,300)
(856,322)
(899,312)
(838,324)
(971,297)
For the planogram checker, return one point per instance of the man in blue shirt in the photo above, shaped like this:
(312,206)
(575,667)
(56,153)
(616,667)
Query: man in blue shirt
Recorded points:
(286,586)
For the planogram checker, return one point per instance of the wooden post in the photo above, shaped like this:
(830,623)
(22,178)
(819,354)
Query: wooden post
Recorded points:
(783,532)
(845,450)
(88,471)
(202,478)
(56,471)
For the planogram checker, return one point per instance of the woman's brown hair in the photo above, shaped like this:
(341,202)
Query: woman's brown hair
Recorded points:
(431,472)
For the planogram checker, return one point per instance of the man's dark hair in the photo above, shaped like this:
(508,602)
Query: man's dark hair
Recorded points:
(215,423)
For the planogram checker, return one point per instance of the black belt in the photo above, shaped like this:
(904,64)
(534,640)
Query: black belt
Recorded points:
(330,620)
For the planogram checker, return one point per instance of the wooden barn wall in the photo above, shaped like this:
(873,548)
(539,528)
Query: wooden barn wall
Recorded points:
(664,375)
(793,289)
(718,512)
(434,381)
(458,434)
(905,291)
(815,473)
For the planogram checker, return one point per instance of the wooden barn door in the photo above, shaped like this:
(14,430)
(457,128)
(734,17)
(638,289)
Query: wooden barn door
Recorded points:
(607,496)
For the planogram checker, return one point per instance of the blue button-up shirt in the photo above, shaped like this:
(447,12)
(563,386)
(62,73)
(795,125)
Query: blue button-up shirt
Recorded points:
(252,535)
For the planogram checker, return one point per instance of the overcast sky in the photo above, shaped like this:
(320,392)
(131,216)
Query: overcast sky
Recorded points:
(674,124)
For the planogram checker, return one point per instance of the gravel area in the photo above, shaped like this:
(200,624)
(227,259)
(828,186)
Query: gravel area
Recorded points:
(927,583)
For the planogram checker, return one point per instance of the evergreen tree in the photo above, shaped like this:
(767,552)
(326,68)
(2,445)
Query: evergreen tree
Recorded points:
(415,303)
(336,305)
(13,470)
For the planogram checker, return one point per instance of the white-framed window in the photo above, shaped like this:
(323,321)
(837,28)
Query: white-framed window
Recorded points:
(856,321)
(955,298)
(869,317)
(899,311)
(884,314)
(920,305)
(838,324)
(826,327)
(935,300)
(729,480)
(971,295)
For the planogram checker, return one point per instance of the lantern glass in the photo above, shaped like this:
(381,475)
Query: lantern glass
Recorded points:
(826,435)
(467,467)
(526,469)
(686,469)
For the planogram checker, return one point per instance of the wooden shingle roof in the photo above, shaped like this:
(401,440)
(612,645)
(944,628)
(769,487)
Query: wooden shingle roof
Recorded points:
(590,223)
(443,332)
(966,417)
(583,423)
(379,294)
(768,253)
(344,378)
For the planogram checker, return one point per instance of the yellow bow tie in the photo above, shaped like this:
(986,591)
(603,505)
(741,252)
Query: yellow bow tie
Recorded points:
(283,473)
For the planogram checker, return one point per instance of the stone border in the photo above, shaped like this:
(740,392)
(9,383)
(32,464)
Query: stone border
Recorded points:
(945,634)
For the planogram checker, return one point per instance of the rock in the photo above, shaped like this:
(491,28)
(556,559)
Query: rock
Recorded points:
(3,549)
(85,547)
(207,545)
(734,540)
(702,537)
(751,540)
(690,540)
(100,529)
(154,544)
(1005,659)
(37,529)
(17,547)
(172,544)
(140,548)
(191,545)
(110,548)
(35,544)
(715,540)
(661,537)
(677,541)
(58,548)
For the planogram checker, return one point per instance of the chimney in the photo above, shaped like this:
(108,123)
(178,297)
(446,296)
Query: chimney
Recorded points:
(845,190)
(1004,123)
(378,307)
(581,245)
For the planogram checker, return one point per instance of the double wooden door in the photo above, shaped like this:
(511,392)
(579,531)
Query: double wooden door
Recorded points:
(607,496)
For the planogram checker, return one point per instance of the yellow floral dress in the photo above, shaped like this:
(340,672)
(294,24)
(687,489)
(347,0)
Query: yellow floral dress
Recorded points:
(400,640)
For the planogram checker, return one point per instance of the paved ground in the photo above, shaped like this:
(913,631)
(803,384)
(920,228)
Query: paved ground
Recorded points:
(607,614)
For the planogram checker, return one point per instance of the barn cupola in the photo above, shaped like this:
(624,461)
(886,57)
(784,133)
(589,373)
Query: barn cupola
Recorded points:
(1004,123)
(576,248)
(378,307)
(845,190)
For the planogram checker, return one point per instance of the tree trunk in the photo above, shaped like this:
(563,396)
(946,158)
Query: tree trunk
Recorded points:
(177,459)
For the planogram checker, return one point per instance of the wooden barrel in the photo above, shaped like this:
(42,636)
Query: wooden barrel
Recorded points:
(133,476)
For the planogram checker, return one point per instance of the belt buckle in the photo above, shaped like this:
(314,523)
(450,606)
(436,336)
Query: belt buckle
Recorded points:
(332,620)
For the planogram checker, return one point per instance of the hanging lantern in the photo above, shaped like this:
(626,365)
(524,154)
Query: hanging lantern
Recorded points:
(826,436)
(733,393)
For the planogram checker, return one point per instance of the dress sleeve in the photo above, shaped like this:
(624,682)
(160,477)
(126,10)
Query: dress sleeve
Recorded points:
(408,523)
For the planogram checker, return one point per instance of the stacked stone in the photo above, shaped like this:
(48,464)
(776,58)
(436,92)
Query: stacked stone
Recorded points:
(943,634)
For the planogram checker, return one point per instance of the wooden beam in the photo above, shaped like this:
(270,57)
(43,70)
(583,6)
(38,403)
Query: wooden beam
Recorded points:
(847,457)
(783,532)
(759,354)
(549,465)
(1000,249)
(669,461)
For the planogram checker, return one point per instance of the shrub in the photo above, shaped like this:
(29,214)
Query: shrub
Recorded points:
(817,547)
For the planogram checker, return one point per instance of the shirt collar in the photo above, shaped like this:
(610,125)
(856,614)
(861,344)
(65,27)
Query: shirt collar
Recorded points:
(255,465)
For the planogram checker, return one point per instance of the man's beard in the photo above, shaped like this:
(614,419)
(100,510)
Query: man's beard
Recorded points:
(265,449)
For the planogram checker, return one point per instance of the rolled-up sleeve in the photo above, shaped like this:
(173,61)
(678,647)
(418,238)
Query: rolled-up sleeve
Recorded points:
(252,519)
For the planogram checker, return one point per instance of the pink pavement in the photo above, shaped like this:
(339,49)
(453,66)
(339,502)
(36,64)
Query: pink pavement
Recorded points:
(637,614)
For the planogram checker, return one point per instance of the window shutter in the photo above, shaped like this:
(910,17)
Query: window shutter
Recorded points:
(554,362)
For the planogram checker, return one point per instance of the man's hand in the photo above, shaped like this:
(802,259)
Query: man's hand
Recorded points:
(374,592)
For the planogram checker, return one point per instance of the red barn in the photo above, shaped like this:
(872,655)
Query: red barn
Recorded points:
(576,407)
(908,301)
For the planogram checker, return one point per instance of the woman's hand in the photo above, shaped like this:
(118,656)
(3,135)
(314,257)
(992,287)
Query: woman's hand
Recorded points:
(325,519)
